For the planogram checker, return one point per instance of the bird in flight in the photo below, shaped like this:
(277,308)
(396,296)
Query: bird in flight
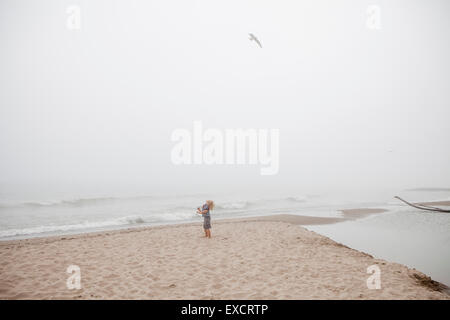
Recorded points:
(253,38)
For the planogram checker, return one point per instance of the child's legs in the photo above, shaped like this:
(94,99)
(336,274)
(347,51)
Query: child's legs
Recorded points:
(207,226)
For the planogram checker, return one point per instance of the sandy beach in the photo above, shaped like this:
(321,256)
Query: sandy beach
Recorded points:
(258,258)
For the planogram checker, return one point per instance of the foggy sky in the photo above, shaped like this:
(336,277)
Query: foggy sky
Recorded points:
(93,109)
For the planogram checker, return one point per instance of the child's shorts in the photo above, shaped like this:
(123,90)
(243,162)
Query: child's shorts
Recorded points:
(206,222)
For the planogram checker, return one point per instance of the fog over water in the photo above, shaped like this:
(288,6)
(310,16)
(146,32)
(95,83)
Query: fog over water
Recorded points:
(91,111)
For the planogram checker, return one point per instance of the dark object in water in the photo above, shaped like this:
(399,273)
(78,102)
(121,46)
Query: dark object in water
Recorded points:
(422,206)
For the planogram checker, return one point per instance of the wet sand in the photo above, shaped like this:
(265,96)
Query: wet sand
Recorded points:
(360,212)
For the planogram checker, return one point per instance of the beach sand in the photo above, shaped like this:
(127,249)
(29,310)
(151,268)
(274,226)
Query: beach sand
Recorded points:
(255,258)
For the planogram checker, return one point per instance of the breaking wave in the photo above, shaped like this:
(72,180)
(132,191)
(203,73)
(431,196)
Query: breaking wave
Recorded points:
(127,220)
(71,202)
(297,198)
(233,205)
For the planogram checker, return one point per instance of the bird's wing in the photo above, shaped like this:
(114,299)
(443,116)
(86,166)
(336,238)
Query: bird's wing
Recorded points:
(252,37)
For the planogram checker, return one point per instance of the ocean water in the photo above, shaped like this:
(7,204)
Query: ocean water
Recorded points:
(21,218)
(418,239)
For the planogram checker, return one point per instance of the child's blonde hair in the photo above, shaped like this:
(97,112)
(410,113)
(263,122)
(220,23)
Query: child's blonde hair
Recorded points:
(210,204)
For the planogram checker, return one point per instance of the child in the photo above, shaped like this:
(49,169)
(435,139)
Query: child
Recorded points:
(209,205)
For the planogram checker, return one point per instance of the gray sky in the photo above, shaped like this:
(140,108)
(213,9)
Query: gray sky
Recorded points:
(94,109)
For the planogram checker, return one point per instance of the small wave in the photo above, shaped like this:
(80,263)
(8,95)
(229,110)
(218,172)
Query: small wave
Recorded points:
(127,220)
(233,205)
(297,198)
(77,202)
(72,202)
(56,203)
(174,215)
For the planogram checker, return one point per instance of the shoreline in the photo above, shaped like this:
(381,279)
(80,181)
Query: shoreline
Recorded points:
(268,257)
(288,218)
(346,214)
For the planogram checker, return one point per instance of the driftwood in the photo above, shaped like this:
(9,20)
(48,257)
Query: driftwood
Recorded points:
(422,206)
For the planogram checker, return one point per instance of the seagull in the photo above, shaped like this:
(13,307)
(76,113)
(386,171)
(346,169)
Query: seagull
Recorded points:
(253,38)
